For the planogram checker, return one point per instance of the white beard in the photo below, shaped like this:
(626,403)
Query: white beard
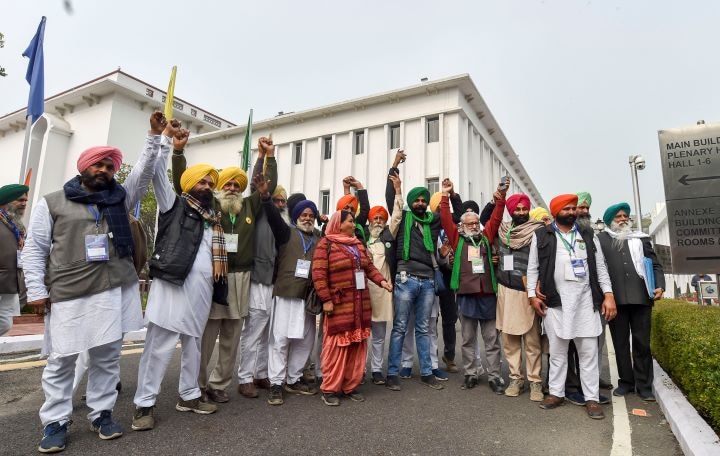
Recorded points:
(376,230)
(584,222)
(306,227)
(622,232)
(285,216)
(16,219)
(471,233)
(230,203)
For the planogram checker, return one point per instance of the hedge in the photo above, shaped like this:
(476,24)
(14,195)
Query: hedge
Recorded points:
(686,343)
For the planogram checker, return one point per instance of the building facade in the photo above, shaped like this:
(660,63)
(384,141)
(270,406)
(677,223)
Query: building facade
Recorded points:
(444,126)
(113,109)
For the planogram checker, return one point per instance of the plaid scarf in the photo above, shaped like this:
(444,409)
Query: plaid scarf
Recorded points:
(111,204)
(18,232)
(410,218)
(219,255)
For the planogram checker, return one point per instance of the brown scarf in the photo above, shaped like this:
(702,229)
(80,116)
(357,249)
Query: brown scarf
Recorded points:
(219,254)
(520,235)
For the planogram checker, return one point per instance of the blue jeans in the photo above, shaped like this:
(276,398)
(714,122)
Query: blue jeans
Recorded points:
(417,294)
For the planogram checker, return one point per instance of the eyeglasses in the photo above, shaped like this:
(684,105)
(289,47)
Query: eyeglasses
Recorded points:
(471,223)
(279,200)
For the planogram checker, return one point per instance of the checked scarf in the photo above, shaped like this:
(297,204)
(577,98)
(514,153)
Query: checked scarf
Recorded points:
(18,232)
(111,204)
(410,217)
(455,277)
(219,255)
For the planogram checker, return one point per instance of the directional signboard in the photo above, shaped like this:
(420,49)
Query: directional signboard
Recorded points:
(690,159)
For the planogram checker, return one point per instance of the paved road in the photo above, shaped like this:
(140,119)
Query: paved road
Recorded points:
(416,420)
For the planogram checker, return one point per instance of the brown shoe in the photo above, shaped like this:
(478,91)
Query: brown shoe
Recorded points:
(219,396)
(262,383)
(203,395)
(248,390)
(551,402)
(594,410)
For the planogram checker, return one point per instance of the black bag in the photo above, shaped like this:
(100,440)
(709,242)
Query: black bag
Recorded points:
(220,292)
(313,304)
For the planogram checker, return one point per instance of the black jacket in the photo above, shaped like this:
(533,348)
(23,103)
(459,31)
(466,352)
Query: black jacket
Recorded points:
(180,232)
(628,287)
(547,251)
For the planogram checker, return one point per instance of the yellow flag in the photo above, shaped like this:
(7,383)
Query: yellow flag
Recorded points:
(170,95)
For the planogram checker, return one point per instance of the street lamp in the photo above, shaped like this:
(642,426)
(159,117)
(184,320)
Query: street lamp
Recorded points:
(599,226)
(636,163)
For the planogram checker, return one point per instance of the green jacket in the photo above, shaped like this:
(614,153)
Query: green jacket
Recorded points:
(244,223)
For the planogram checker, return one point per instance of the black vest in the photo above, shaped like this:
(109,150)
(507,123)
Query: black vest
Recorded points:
(547,250)
(512,279)
(180,232)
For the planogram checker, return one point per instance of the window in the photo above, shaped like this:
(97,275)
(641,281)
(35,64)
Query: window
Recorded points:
(433,185)
(325,201)
(359,142)
(297,149)
(327,148)
(433,130)
(394,136)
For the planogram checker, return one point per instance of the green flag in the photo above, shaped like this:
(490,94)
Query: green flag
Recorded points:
(246,144)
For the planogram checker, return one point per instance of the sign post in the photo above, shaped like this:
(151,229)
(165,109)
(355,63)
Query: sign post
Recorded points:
(690,159)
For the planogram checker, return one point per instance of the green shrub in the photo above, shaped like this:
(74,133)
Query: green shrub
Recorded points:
(686,343)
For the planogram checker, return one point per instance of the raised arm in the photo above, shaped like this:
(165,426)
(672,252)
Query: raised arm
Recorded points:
(364,203)
(456,203)
(492,226)
(164,193)
(137,182)
(446,218)
(389,186)
(267,150)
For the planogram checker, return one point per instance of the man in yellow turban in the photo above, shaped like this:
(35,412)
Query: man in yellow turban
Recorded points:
(239,221)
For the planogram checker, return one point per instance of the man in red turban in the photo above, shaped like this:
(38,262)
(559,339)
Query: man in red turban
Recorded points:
(514,200)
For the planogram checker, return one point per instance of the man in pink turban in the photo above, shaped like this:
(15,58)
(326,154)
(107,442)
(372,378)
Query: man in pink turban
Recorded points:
(94,293)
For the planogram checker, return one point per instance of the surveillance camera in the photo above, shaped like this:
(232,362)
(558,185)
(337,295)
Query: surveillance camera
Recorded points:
(639,163)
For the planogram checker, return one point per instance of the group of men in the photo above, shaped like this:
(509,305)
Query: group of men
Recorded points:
(234,270)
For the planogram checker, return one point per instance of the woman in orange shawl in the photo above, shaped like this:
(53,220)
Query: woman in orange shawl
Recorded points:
(340,271)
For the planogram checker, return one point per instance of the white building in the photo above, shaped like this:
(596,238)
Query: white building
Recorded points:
(112,109)
(660,233)
(443,125)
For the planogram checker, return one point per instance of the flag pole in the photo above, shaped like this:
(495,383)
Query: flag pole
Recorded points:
(26,149)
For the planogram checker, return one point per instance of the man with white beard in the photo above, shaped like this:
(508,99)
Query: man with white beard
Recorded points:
(292,330)
(239,216)
(637,281)
(473,278)
(381,247)
(12,239)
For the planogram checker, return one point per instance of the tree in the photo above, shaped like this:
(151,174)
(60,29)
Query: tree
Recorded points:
(148,212)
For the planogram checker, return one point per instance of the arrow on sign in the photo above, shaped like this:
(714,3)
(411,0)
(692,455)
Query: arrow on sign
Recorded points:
(685,179)
(703,258)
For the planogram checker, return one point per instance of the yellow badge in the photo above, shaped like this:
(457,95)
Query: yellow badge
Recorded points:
(248,220)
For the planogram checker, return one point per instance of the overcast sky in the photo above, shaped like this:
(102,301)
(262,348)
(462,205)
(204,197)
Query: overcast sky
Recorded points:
(576,86)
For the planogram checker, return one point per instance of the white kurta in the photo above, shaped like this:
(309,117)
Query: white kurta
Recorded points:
(381,299)
(181,308)
(79,324)
(576,317)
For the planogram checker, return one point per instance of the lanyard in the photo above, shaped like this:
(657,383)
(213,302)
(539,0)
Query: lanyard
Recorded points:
(95,214)
(13,227)
(356,253)
(232,217)
(472,241)
(507,236)
(306,246)
(569,246)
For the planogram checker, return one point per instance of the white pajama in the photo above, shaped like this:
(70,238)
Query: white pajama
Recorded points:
(292,333)
(57,383)
(378,331)
(587,348)
(160,346)
(254,336)
(9,307)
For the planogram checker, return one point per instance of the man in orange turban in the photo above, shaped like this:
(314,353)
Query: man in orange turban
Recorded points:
(562,201)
